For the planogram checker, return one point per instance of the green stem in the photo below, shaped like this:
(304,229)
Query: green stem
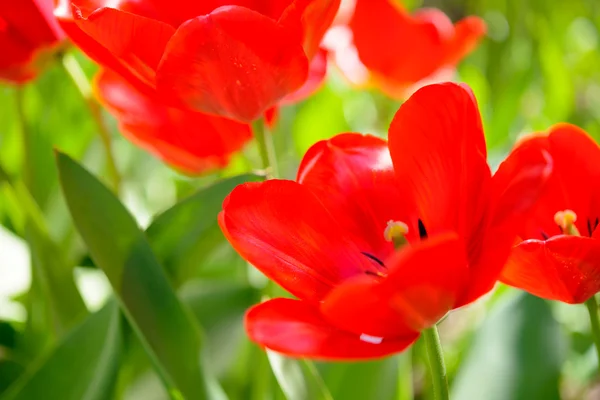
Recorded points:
(405,385)
(592,307)
(25,137)
(78,77)
(266,148)
(437,366)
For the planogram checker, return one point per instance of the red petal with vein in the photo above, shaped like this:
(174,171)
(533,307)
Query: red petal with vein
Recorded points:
(94,50)
(354,176)
(137,41)
(422,285)
(190,141)
(297,329)
(233,62)
(283,229)
(438,149)
(563,268)
(516,188)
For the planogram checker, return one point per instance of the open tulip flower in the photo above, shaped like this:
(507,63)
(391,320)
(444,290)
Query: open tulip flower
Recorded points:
(559,257)
(190,141)
(385,45)
(29,35)
(233,59)
(379,240)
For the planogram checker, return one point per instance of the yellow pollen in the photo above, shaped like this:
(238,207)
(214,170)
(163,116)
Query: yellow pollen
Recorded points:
(566,221)
(395,232)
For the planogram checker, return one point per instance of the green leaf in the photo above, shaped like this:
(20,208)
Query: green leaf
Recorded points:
(298,379)
(82,367)
(363,380)
(185,236)
(517,354)
(311,124)
(56,280)
(61,304)
(117,245)
(220,308)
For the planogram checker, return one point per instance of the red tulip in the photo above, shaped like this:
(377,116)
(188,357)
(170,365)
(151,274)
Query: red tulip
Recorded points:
(387,46)
(323,237)
(29,35)
(559,257)
(190,141)
(232,59)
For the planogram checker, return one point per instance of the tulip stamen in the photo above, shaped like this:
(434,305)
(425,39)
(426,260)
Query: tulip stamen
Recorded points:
(592,226)
(395,232)
(372,257)
(566,222)
(544,235)
(422,230)
(380,266)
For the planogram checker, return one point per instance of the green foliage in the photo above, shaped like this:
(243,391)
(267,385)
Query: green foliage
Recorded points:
(118,246)
(173,322)
(82,366)
(517,354)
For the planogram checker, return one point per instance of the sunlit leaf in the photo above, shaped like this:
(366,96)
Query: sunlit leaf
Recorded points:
(117,246)
(185,236)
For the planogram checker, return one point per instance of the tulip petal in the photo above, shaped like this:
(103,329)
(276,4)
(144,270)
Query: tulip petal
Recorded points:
(354,176)
(283,229)
(467,34)
(417,42)
(311,19)
(191,141)
(422,285)
(137,41)
(64,13)
(296,329)
(233,62)
(576,165)
(438,150)
(28,35)
(31,20)
(563,268)
(516,187)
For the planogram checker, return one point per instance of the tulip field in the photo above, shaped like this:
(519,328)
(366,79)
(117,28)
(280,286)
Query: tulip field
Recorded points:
(299,199)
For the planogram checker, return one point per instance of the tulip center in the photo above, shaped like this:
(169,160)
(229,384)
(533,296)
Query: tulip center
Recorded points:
(566,222)
(395,232)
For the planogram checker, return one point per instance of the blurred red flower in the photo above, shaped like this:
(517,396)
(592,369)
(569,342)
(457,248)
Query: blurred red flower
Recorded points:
(322,238)
(558,259)
(385,45)
(29,35)
(190,141)
(233,59)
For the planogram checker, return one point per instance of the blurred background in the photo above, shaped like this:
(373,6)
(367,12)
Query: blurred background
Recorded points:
(538,65)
